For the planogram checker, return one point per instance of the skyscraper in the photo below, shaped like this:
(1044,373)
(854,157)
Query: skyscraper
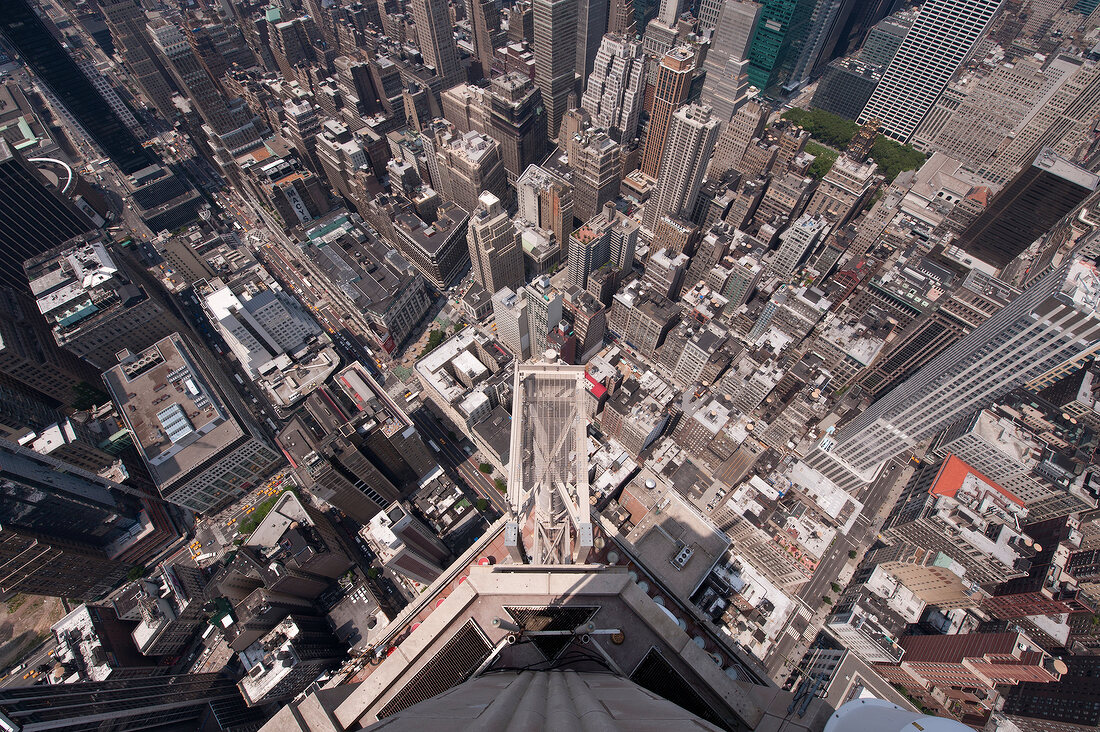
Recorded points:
(41,51)
(34,216)
(494,247)
(673,84)
(781,31)
(616,87)
(691,138)
(591,24)
(1053,321)
(555,57)
(1033,202)
(149,700)
(513,325)
(943,35)
(726,83)
(127,21)
(486,24)
(437,42)
(597,164)
(65,532)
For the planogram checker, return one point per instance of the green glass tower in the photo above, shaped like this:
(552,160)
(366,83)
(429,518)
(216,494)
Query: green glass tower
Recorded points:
(781,31)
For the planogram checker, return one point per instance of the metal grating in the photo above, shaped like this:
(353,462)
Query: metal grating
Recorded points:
(551,618)
(656,674)
(456,660)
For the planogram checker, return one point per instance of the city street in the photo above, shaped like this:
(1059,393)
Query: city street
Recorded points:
(454,458)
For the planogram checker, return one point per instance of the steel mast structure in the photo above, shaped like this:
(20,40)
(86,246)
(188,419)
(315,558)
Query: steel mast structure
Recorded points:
(549,520)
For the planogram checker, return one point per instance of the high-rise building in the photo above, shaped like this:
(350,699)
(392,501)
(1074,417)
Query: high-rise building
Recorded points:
(517,121)
(543,311)
(201,445)
(35,217)
(435,35)
(30,356)
(555,57)
(41,51)
(726,84)
(615,87)
(149,700)
(747,123)
(843,190)
(485,19)
(1027,208)
(468,165)
(926,337)
(691,137)
(127,20)
(609,237)
(232,124)
(795,244)
(91,306)
(513,328)
(591,24)
(597,164)
(406,546)
(66,532)
(546,200)
(494,246)
(781,32)
(1072,700)
(1053,321)
(674,75)
(941,38)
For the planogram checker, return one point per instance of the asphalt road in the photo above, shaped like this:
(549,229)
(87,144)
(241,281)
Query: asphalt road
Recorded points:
(788,650)
(454,458)
(43,655)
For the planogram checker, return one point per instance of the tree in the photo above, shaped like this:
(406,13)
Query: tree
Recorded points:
(852,554)
(135,573)
(485,468)
(501,485)
(373,573)
(827,600)
(835,586)
(482,504)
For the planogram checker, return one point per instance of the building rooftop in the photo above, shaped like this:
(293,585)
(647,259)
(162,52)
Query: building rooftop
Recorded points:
(177,418)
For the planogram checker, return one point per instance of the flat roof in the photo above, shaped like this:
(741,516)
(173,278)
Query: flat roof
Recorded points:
(177,419)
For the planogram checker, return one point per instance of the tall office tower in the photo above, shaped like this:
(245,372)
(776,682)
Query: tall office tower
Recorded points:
(591,24)
(674,75)
(1028,207)
(1053,321)
(555,57)
(486,25)
(819,40)
(30,356)
(597,164)
(691,138)
(726,84)
(233,125)
(202,447)
(546,200)
(521,26)
(1071,701)
(517,120)
(927,337)
(615,89)
(620,18)
(781,32)
(513,328)
(795,244)
(543,311)
(747,123)
(435,34)
(141,701)
(34,216)
(40,50)
(942,37)
(843,190)
(469,165)
(64,531)
(494,246)
(126,20)
(1063,122)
